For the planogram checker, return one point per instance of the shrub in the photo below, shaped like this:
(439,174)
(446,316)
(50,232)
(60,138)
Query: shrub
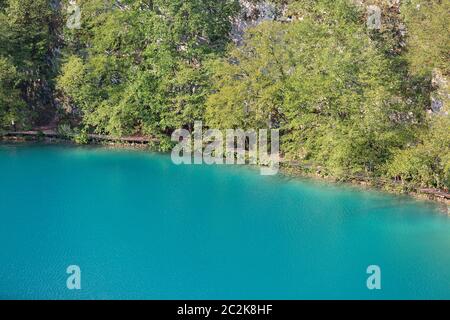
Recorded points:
(65,131)
(81,138)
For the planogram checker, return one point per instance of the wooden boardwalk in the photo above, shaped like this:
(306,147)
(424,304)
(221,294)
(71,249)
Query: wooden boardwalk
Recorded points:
(91,137)
(436,193)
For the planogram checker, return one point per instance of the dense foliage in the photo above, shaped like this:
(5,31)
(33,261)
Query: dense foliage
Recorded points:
(28,38)
(323,82)
(348,99)
(12,107)
(139,68)
(428,23)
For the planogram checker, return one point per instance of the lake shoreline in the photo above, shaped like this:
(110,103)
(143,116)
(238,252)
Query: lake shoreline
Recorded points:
(287,168)
(368,185)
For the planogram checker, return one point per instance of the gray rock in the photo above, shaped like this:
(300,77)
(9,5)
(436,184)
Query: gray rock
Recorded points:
(252,14)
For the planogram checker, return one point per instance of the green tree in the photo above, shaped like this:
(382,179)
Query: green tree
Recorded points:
(427,163)
(139,66)
(323,82)
(12,107)
(428,25)
(29,40)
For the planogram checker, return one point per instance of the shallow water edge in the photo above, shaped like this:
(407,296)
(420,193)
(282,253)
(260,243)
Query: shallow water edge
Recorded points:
(286,169)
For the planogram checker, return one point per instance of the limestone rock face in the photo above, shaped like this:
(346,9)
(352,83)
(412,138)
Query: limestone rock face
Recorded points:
(440,98)
(385,15)
(252,13)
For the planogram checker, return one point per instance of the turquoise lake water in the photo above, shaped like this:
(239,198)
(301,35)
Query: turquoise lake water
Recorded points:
(140,227)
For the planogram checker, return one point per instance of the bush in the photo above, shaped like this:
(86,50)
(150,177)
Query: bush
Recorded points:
(65,131)
(428,163)
(163,144)
(40,135)
(81,137)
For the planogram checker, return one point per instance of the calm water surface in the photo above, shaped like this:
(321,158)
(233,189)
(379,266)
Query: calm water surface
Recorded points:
(140,227)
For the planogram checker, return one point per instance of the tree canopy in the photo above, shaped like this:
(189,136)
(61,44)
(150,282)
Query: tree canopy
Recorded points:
(349,99)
